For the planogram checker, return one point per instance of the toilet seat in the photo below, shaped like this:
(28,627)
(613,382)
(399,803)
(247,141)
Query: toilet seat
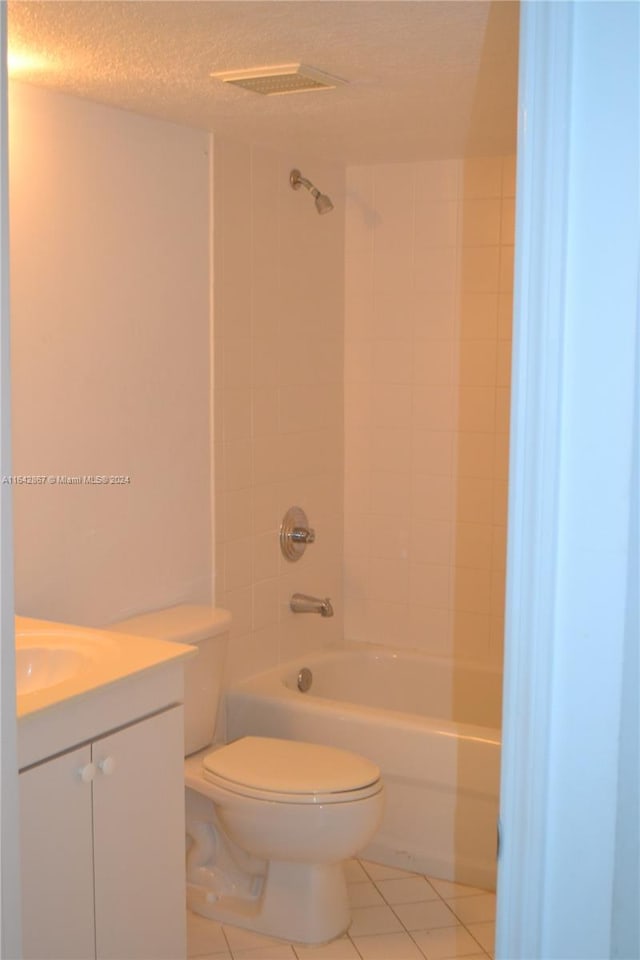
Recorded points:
(288,771)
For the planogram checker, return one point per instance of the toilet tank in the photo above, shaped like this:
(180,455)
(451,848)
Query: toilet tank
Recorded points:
(206,628)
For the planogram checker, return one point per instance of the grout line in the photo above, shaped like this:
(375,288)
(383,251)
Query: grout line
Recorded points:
(226,940)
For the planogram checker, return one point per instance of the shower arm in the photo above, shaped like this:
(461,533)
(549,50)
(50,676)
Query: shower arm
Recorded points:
(297,180)
(322,201)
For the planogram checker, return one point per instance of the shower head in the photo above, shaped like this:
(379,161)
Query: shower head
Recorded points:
(323,202)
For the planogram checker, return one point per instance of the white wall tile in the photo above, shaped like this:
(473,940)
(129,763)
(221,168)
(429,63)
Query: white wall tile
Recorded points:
(474,545)
(482,177)
(435,223)
(391,361)
(434,406)
(264,413)
(266,556)
(435,269)
(236,418)
(392,314)
(477,363)
(481,221)
(238,509)
(431,541)
(390,405)
(390,494)
(430,585)
(503,363)
(433,452)
(434,315)
(429,630)
(237,564)
(281,394)
(432,497)
(475,454)
(477,409)
(390,448)
(437,180)
(475,499)
(509,177)
(386,537)
(433,362)
(480,269)
(506,269)
(388,578)
(478,316)
(425,483)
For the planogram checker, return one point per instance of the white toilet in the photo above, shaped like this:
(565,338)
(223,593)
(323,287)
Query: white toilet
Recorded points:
(269,822)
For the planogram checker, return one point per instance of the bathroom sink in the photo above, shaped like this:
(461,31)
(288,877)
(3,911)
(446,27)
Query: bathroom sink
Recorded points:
(48,656)
(74,682)
(41,667)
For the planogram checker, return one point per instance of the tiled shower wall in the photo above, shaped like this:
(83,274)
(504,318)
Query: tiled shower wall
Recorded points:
(429,255)
(278,403)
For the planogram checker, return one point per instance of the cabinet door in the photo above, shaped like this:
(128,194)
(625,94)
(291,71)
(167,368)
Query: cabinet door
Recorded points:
(57,861)
(139,842)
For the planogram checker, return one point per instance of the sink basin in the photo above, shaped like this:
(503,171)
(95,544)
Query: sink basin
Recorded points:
(40,667)
(75,682)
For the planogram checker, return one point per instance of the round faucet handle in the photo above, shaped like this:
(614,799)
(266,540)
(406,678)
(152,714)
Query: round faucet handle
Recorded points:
(295,534)
(303,535)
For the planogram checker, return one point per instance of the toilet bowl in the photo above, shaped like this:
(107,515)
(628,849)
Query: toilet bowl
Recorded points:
(269,822)
(288,814)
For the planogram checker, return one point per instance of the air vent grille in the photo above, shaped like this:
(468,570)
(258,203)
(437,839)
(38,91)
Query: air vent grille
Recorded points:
(277,80)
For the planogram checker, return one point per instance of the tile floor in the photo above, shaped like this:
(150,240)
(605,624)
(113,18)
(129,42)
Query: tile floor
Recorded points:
(396,916)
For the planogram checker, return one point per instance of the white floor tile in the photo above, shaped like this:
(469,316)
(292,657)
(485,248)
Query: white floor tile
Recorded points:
(386,902)
(224,955)
(485,934)
(218,955)
(205,937)
(243,940)
(341,949)
(364,895)
(281,951)
(388,946)
(371,920)
(378,871)
(445,943)
(427,915)
(480,909)
(354,872)
(447,889)
(406,890)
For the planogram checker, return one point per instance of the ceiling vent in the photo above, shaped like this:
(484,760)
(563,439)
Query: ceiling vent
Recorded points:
(277,80)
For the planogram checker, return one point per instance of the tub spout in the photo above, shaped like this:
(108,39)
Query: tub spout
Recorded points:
(301,603)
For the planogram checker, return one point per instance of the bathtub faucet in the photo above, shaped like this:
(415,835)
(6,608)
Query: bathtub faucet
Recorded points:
(301,603)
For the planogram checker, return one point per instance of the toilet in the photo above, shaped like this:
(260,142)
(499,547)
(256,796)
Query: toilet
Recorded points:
(269,822)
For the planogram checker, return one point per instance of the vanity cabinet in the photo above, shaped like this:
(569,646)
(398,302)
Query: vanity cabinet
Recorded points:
(102,842)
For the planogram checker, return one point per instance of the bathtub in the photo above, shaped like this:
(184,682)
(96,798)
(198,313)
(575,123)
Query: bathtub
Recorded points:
(431,727)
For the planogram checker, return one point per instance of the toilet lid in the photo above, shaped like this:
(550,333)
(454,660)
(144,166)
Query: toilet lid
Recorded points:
(289,767)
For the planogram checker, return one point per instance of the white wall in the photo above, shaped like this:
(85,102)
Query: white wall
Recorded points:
(110,357)
(429,254)
(278,284)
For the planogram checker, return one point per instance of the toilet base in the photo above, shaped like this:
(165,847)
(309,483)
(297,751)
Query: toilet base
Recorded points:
(300,902)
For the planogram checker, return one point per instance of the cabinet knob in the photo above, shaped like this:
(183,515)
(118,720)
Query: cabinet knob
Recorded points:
(87,773)
(107,766)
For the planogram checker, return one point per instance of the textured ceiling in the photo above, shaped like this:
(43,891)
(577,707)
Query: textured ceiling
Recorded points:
(426,78)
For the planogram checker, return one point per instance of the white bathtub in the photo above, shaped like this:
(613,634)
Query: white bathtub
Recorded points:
(432,729)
